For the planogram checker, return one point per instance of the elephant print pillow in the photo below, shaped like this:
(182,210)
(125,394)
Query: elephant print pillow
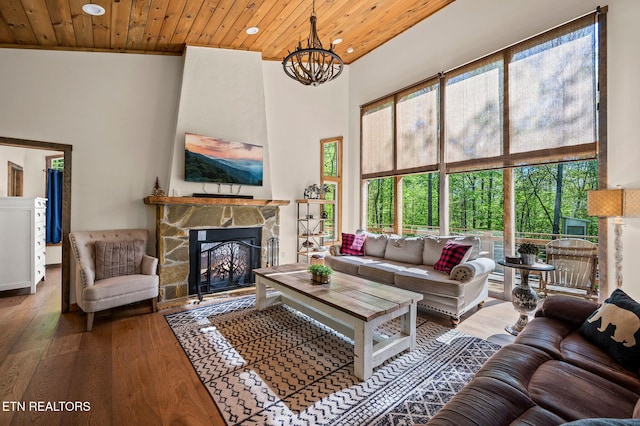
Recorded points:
(614,328)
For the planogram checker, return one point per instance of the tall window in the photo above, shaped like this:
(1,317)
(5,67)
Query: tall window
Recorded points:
(551,200)
(476,201)
(417,127)
(380,205)
(377,138)
(531,108)
(331,176)
(420,202)
(473,111)
(552,88)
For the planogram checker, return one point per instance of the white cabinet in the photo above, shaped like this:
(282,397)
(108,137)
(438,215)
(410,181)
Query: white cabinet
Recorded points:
(22,230)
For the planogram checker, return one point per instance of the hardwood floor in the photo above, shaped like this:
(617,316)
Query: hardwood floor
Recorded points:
(129,370)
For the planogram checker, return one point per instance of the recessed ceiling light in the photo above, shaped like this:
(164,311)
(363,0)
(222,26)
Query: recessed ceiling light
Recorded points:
(350,50)
(252,30)
(337,41)
(93,9)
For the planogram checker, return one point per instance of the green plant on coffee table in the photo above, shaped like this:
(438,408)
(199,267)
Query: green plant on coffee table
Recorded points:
(322,270)
(528,248)
(320,273)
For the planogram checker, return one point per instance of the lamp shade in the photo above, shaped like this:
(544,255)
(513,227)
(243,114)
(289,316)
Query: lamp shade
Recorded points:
(605,202)
(631,203)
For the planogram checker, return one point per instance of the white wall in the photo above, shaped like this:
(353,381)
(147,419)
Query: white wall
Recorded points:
(623,33)
(222,96)
(298,117)
(236,96)
(35,183)
(118,111)
(440,43)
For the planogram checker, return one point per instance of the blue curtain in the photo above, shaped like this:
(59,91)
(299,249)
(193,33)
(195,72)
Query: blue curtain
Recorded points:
(54,206)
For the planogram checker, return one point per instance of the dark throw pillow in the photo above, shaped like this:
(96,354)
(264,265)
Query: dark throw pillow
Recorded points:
(117,258)
(615,328)
(452,254)
(353,244)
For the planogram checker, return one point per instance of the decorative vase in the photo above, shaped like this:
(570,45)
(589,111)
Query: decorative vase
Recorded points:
(320,279)
(528,258)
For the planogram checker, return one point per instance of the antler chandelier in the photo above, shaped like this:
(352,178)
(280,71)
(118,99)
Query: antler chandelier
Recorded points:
(312,65)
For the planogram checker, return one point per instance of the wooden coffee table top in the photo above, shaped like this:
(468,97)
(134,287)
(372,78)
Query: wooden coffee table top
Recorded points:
(356,296)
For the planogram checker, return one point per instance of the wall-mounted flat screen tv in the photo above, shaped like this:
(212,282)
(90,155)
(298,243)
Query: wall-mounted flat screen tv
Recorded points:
(210,159)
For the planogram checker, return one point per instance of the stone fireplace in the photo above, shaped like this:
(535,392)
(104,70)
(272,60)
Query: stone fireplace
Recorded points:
(222,259)
(177,216)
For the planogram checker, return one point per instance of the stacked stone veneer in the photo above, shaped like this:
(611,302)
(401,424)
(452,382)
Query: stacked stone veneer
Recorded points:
(174,222)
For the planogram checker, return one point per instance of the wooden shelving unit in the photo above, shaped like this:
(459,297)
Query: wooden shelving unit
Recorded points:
(314,231)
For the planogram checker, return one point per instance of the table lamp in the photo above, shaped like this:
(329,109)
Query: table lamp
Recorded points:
(616,203)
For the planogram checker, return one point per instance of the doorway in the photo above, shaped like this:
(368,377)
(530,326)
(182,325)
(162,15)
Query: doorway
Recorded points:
(66,206)
(15,180)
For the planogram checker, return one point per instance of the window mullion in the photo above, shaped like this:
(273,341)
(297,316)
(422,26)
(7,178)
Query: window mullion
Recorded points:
(443,211)
(603,179)
(399,220)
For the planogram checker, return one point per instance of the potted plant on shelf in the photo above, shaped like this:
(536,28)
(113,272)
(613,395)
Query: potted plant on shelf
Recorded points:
(320,274)
(528,252)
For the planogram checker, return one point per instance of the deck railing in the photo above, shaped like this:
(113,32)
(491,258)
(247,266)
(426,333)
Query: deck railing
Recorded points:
(488,238)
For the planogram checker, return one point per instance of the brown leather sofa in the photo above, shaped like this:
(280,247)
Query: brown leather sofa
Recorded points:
(550,375)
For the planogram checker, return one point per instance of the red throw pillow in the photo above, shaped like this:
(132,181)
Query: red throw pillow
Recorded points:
(353,244)
(452,255)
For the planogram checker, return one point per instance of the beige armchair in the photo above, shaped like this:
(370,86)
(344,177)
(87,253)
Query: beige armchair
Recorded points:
(113,270)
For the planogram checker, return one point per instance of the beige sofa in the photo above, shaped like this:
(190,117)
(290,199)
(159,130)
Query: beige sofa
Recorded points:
(408,263)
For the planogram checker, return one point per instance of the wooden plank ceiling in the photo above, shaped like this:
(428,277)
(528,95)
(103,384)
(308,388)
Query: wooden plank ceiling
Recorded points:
(166,26)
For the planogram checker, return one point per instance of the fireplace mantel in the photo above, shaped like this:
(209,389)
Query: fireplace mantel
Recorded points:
(203,201)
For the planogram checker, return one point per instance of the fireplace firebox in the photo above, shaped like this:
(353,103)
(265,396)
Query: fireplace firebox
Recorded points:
(222,259)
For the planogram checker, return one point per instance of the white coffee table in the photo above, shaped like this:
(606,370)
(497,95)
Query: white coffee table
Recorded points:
(350,305)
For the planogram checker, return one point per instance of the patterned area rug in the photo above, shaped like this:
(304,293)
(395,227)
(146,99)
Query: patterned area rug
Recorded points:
(280,367)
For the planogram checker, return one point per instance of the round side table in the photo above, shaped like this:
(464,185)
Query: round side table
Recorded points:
(524,298)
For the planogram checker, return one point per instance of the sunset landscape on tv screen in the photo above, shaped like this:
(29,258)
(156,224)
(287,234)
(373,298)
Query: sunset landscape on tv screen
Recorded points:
(210,159)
